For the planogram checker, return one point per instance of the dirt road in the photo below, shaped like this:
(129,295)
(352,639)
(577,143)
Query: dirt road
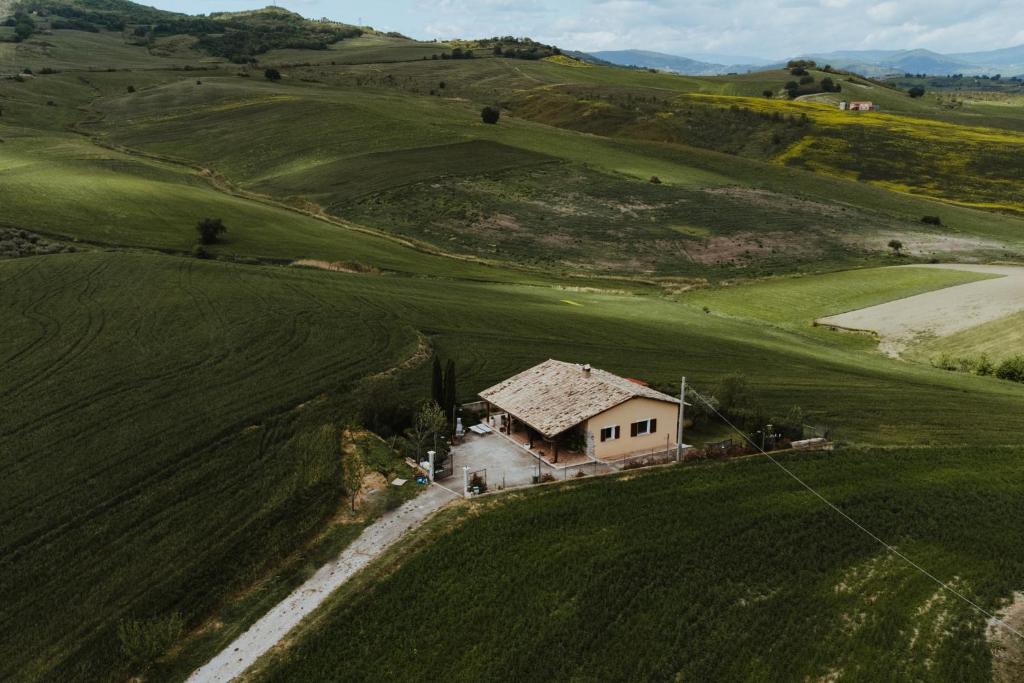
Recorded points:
(942,312)
(275,624)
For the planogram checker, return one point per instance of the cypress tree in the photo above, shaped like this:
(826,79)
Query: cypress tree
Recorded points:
(437,388)
(449,391)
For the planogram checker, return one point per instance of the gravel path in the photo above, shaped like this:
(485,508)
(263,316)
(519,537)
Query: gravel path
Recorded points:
(275,624)
(942,312)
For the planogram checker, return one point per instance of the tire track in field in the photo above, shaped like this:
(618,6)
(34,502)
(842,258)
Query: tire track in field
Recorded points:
(28,311)
(94,325)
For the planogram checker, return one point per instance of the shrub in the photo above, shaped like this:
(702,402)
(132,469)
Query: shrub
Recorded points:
(804,80)
(272,74)
(143,640)
(199,251)
(1011,369)
(655,180)
(490,114)
(768,94)
(210,230)
(931,220)
(896,246)
(131,88)
(916,91)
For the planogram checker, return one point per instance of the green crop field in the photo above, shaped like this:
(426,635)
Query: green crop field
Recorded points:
(154,454)
(175,416)
(717,573)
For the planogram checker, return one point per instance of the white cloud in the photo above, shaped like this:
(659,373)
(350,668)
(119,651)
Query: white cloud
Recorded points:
(764,28)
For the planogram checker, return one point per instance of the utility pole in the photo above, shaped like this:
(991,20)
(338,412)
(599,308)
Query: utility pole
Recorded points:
(679,428)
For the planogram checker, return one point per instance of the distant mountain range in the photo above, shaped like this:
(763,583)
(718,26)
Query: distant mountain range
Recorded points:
(1006,61)
(677,64)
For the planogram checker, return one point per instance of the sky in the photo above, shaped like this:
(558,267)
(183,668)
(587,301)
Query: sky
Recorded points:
(768,29)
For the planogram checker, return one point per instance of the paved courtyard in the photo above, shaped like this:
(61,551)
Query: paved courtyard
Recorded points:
(507,464)
(503,460)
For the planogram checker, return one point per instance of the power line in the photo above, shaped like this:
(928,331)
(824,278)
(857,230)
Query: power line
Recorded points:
(942,584)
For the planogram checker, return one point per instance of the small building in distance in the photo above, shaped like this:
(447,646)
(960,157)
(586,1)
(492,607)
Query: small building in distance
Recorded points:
(577,408)
(858,106)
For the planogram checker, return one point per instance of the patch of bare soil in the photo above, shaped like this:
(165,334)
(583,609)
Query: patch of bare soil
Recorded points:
(919,243)
(751,245)
(939,313)
(500,223)
(1008,647)
(336,266)
(372,482)
(772,200)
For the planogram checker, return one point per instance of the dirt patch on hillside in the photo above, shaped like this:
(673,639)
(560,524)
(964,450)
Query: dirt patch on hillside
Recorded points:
(920,243)
(772,200)
(1008,647)
(336,266)
(751,246)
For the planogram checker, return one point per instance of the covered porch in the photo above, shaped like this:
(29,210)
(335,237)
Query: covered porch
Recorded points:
(561,451)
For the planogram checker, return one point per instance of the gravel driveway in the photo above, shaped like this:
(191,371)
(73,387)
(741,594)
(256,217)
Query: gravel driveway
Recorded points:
(275,624)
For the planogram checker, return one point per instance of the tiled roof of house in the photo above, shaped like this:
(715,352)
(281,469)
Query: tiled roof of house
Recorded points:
(554,396)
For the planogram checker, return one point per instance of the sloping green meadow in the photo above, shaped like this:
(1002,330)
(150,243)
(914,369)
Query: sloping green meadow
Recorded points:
(713,573)
(156,456)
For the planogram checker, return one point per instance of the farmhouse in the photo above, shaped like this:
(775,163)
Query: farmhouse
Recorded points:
(579,409)
(858,106)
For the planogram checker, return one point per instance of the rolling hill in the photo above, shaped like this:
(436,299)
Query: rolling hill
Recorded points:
(174,444)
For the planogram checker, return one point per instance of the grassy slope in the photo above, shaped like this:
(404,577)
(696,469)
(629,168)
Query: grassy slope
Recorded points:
(367,133)
(151,459)
(711,573)
(998,339)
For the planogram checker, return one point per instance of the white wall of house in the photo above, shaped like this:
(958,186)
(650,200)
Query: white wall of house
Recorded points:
(623,416)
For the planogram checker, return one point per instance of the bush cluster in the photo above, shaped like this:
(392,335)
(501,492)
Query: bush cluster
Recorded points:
(1010,369)
(15,242)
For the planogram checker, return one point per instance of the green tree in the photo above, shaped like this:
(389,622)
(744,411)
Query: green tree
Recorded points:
(733,393)
(272,74)
(768,94)
(210,230)
(896,246)
(916,91)
(428,430)
(490,114)
(450,391)
(23,27)
(437,383)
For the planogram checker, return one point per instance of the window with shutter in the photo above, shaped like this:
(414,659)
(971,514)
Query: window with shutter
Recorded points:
(643,427)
